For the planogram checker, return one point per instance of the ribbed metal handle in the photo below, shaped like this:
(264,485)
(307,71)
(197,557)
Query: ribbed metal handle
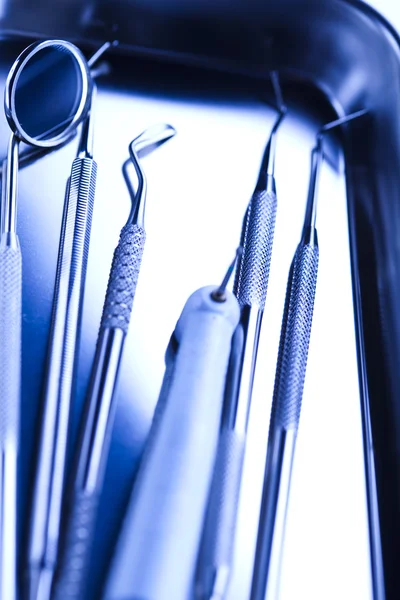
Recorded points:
(252,276)
(61,368)
(123,278)
(216,554)
(251,283)
(295,338)
(77,543)
(10,339)
(76,547)
(10,388)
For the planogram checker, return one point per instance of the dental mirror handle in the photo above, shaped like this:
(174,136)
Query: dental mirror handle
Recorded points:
(10,371)
(285,415)
(59,377)
(78,531)
(10,398)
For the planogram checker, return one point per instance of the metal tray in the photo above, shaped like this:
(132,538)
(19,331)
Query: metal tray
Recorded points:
(199,185)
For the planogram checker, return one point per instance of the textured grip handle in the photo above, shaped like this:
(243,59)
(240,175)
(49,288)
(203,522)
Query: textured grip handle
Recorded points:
(10,339)
(295,337)
(123,278)
(216,551)
(60,374)
(77,544)
(252,275)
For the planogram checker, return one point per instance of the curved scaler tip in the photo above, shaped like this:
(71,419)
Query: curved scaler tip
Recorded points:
(150,139)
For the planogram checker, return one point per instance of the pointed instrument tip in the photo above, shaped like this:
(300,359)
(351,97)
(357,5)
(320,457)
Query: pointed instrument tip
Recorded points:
(219,294)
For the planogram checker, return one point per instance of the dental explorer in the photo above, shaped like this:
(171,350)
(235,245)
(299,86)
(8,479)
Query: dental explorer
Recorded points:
(250,287)
(59,378)
(162,530)
(41,66)
(288,389)
(92,449)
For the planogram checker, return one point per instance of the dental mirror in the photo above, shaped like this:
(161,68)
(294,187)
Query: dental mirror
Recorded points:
(47,94)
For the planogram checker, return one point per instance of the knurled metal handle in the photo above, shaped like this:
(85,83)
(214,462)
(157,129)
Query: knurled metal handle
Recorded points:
(252,275)
(123,278)
(10,340)
(295,337)
(217,545)
(76,547)
(63,350)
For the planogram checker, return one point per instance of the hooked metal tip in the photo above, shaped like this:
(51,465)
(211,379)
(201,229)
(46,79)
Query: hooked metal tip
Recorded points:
(281,106)
(309,234)
(151,137)
(103,48)
(219,294)
(332,125)
(267,169)
(143,144)
(317,157)
(340,121)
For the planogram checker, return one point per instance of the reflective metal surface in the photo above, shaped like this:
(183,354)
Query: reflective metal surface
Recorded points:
(54,113)
(189,180)
(215,562)
(64,74)
(85,484)
(361,71)
(290,376)
(10,371)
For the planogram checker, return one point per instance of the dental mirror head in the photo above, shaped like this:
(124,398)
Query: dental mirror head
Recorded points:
(48,93)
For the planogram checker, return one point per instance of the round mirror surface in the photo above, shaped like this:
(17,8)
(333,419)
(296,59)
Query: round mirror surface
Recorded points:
(48,94)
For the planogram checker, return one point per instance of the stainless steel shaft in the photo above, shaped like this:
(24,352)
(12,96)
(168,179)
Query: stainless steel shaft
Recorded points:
(285,415)
(82,505)
(59,378)
(10,383)
(216,552)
